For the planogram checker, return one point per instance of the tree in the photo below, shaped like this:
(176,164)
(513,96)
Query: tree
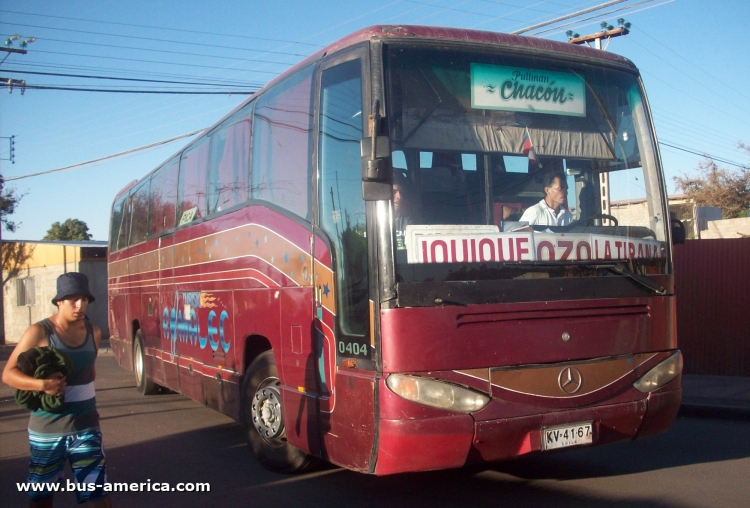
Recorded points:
(15,256)
(9,199)
(71,229)
(717,186)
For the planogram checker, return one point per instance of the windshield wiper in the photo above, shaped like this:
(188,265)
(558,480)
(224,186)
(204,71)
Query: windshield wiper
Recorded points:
(640,279)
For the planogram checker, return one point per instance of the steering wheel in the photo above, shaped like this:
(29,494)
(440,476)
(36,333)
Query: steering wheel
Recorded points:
(592,218)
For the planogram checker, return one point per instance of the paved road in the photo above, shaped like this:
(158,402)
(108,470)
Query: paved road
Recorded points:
(168,438)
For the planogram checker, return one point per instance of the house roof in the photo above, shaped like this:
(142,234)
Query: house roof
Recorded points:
(67,243)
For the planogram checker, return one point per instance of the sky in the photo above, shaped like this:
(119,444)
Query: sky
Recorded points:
(693,66)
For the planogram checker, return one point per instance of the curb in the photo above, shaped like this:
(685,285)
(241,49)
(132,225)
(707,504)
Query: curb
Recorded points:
(720,412)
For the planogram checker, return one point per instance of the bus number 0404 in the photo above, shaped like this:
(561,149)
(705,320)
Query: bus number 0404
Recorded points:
(352,348)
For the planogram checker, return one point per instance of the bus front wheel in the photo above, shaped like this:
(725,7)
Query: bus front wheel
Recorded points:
(262,418)
(142,382)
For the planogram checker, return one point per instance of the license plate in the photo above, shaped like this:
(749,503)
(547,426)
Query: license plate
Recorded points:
(562,436)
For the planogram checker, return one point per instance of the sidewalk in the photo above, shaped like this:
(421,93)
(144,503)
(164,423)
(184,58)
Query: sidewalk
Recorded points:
(710,396)
(716,396)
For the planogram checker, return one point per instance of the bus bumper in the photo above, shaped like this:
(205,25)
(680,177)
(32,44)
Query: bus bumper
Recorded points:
(423,444)
(457,440)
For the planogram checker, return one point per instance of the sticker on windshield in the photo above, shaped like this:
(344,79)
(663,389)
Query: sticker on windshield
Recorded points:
(530,90)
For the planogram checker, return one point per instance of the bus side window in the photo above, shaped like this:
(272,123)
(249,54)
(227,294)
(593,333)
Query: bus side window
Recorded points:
(164,197)
(120,223)
(229,170)
(139,220)
(191,190)
(282,127)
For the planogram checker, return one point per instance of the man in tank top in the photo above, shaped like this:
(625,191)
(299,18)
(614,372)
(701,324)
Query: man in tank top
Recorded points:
(73,433)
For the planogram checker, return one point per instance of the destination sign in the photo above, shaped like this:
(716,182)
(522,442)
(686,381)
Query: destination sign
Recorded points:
(510,247)
(530,90)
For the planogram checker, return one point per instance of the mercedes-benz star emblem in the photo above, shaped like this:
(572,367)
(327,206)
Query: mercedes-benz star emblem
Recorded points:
(570,380)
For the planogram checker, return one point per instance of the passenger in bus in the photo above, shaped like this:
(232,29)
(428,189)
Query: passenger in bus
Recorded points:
(552,210)
(69,431)
(403,207)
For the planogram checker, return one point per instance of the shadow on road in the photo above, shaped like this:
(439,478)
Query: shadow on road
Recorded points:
(168,438)
(218,455)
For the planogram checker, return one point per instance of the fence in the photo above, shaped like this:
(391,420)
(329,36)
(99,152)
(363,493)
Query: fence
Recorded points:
(712,279)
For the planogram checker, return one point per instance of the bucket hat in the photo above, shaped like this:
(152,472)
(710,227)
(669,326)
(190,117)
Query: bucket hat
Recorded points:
(72,283)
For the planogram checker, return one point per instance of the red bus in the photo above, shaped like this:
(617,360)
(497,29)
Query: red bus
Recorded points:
(344,265)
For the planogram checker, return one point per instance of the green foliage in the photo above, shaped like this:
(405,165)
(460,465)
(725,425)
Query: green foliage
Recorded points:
(71,229)
(716,186)
(9,200)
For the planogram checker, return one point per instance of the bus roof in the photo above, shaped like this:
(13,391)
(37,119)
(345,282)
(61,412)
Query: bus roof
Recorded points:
(426,33)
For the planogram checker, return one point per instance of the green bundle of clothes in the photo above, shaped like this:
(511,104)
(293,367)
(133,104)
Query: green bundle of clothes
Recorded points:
(41,362)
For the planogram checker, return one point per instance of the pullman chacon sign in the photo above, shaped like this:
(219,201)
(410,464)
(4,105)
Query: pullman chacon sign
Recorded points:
(510,247)
(530,90)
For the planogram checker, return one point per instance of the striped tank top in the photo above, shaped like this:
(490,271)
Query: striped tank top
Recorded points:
(79,410)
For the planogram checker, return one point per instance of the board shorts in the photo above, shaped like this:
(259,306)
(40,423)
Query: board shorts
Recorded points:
(85,453)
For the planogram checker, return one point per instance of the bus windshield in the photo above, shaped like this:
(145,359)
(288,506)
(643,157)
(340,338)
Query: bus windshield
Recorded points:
(505,165)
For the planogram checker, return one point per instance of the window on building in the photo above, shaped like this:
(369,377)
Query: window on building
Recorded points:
(25,292)
(92,253)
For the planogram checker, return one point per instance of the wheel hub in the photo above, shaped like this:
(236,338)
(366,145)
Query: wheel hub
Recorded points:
(266,412)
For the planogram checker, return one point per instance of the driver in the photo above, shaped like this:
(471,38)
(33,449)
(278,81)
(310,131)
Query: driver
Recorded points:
(552,210)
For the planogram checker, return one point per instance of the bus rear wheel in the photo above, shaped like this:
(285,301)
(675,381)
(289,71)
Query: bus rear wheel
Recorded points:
(142,382)
(263,420)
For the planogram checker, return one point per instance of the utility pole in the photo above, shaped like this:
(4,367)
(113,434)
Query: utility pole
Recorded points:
(567,16)
(2,276)
(10,84)
(607,33)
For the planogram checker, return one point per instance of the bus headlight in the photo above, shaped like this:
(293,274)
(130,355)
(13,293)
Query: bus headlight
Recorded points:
(660,375)
(436,393)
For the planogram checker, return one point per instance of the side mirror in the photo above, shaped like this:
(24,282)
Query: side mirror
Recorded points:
(375,167)
(374,152)
(678,231)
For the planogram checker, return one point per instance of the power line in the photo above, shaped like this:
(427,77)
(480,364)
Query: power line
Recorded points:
(713,76)
(696,99)
(72,166)
(152,50)
(568,16)
(134,72)
(736,104)
(605,14)
(708,156)
(528,8)
(464,11)
(141,38)
(114,90)
(88,76)
(256,60)
(191,32)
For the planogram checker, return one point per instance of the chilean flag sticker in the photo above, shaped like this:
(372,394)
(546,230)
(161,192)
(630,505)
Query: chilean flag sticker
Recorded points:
(528,148)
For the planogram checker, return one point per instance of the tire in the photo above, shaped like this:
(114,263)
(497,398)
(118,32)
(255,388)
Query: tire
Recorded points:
(144,385)
(263,421)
